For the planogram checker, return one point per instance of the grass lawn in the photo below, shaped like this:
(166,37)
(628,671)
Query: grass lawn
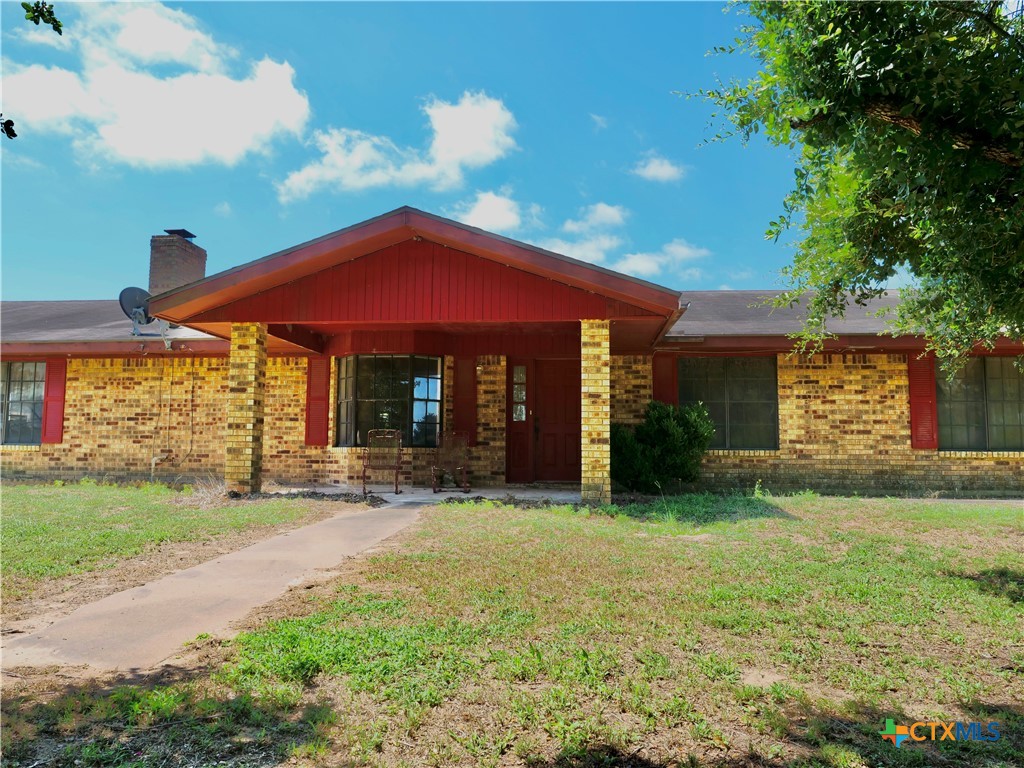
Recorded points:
(50,531)
(703,631)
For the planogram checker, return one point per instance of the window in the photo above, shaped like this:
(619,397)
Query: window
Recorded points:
(982,407)
(741,396)
(519,393)
(21,402)
(389,392)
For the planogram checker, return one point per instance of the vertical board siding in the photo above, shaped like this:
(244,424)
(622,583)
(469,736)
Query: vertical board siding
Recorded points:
(924,422)
(54,387)
(421,282)
(318,397)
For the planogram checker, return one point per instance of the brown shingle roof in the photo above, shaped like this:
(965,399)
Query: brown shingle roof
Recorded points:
(743,313)
(75,321)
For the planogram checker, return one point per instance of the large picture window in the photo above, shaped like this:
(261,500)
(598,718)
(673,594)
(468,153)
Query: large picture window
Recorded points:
(389,392)
(741,395)
(982,407)
(21,403)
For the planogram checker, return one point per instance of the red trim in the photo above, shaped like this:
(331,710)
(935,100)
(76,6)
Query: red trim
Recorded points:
(464,397)
(924,430)
(53,400)
(318,400)
(665,373)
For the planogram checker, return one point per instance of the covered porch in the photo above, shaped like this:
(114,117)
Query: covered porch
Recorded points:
(418,323)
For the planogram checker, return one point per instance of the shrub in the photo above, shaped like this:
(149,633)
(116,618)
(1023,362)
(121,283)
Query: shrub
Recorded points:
(664,449)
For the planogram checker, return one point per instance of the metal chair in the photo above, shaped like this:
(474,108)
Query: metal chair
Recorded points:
(383,452)
(451,458)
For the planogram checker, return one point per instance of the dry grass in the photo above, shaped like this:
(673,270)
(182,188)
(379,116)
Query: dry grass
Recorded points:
(711,632)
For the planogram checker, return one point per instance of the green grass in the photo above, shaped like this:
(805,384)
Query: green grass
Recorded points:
(703,631)
(50,531)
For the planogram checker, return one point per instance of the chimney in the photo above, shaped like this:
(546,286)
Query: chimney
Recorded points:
(174,260)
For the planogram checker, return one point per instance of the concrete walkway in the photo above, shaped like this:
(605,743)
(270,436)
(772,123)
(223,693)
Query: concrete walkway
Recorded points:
(139,628)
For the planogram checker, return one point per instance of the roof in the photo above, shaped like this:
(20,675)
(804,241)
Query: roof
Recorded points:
(389,229)
(744,313)
(27,326)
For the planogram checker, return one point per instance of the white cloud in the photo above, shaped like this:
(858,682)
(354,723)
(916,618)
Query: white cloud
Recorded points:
(657,168)
(155,34)
(596,217)
(594,249)
(491,211)
(669,258)
(471,133)
(42,35)
(117,107)
(223,209)
(600,122)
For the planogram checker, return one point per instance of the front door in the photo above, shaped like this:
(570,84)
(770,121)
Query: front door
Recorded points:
(543,437)
(556,423)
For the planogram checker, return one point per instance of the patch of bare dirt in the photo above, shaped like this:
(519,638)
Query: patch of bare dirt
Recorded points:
(51,600)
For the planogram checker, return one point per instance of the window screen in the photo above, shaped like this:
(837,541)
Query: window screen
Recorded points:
(982,407)
(21,401)
(741,395)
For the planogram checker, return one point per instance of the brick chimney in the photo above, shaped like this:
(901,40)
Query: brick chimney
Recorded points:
(174,260)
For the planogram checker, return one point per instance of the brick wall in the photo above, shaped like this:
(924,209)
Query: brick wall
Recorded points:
(124,419)
(631,387)
(487,458)
(120,415)
(844,426)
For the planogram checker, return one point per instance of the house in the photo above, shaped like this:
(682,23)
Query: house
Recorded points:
(277,368)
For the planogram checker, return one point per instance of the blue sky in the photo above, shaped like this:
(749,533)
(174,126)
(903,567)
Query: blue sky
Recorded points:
(262,125)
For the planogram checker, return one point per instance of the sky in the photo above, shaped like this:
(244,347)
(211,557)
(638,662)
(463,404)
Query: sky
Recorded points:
(259,126)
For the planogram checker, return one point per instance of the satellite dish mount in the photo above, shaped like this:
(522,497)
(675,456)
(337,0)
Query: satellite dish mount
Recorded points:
(135,304)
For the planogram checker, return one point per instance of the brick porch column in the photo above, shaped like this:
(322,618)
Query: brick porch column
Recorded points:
(243,465)
(595,435)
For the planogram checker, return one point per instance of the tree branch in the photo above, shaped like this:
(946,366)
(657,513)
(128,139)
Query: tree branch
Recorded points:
(889,112)
(986,19)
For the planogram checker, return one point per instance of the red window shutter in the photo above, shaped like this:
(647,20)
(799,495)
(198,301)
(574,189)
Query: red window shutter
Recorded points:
(665,371)
(924,427)
(318,400)
(53,400)
(464,397)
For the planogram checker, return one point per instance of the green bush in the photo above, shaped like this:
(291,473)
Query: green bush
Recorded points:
(663,450)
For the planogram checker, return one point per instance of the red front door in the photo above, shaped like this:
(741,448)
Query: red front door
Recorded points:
(543,405)
(557,420)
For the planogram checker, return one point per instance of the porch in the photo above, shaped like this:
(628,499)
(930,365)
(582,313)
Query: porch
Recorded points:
(519,340)
(424,495)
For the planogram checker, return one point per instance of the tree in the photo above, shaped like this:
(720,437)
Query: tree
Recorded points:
(35,12)
(909,121)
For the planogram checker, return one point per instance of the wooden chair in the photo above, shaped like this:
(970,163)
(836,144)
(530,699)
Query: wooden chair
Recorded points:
(383,453)
(451,458)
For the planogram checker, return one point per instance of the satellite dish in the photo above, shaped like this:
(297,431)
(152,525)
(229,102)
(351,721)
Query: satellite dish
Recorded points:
(135,304)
